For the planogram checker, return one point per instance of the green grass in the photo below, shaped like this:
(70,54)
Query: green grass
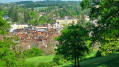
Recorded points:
(106,61)
(35,60)
(68,64)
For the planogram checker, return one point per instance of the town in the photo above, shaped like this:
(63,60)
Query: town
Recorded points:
(39,35)
(59,33)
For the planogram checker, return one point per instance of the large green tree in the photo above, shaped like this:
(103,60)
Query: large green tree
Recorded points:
(7,57)
(31,17)
(33,52)
(107,13)
(26,16)
(13,14)
(72,43)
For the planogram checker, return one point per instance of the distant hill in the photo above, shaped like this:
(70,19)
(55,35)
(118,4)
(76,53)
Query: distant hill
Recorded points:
(24,2)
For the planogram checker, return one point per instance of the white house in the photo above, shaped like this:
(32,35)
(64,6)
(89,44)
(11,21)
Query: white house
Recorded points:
(17,26)
(66,21)
(56,26)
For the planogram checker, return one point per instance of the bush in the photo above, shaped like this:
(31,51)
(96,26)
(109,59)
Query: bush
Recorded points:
(53,63)
(21,63)
(59,60)
(44,64)
(33,52)
(109,48)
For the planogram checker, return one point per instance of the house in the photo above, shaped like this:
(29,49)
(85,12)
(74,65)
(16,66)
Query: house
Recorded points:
(66,21)
(16,31)
(42,28)
(56,26)
(5,17)
(18,26)
(42,36)
(30,27)
(51,31)
(42,14)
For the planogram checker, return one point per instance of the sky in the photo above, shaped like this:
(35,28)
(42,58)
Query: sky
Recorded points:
(7,1)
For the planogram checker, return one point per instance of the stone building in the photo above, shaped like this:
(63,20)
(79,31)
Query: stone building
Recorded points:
(66,21)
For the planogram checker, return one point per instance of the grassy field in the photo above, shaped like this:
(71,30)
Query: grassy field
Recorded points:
(35,60)
(107,61)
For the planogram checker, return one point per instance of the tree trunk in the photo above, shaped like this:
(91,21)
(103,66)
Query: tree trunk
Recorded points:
(75,62)
(78,62)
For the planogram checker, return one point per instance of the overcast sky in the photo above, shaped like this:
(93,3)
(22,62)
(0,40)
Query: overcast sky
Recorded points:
(6,1)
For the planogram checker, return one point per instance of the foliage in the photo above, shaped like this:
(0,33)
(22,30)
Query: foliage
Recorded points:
(43,19)
(109,48)
(52,63)
(107,31)
(7,57)
(34,61)
(105,61)
(72,43)
(26,16)
(31,17)
(59,60)
(4,26)
(44,64)
(13,14)
(33,52)
(108,20)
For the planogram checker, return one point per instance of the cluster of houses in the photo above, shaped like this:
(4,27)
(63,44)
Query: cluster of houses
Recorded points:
(40,36)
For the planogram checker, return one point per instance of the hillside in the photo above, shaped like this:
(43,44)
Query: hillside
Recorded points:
(106,61)
(32,62)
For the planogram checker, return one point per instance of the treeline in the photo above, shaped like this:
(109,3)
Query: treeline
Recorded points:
(31,15)
(28,16)
(30,4)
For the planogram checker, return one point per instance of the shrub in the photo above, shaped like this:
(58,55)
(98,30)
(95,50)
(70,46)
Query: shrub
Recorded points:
(53,63)
(33,52)
(21,63)
(59,60)
(109,48)
(44,64)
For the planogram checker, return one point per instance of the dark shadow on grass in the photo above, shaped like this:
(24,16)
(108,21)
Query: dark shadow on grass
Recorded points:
(113,62)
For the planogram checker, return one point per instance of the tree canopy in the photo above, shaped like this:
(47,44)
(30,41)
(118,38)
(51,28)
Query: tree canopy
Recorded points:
(72,43)
(7,57)
(107,14)
(108,18)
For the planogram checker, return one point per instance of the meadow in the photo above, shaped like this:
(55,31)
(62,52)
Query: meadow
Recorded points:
(105,61)
(34,61)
